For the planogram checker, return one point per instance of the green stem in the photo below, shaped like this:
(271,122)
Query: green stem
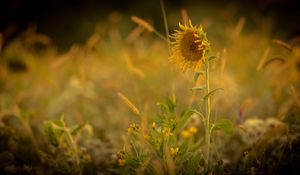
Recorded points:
(160,35)
(165,21)
(73,146)
(207,131)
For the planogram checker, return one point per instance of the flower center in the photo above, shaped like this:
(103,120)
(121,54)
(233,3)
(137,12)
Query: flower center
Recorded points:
(189,48)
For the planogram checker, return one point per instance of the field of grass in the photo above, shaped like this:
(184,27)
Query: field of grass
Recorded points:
(116,105)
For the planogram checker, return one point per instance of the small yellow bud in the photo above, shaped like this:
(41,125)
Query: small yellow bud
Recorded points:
(167,132)
(132,127)
(146,136)
(121,162)
(193,130)
(129,130)
(153,125)
(174,151)
(185,134)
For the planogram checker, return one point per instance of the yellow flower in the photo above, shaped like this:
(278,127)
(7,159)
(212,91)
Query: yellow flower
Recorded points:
(190,47)
(129,130)
(193,130)
(153,125)
(146,136)
(167,132)
(121,162)
(185,134)
(132,127)
(174,151)
(120,153)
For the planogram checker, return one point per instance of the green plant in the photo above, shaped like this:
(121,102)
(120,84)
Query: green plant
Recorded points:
(167,145)
(171,143)
(66,156)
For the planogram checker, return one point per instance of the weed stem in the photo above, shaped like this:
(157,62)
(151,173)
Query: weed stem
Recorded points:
(165,21)
(72,143)
(160,35)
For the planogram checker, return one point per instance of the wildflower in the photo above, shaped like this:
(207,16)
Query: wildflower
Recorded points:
(158,141)
(121,162)
(174,151)
(129,130)
(190,47)
(153,125)
(167,132)
(185,134)
(121,153)
(193,130)
(132,127)
(146,136)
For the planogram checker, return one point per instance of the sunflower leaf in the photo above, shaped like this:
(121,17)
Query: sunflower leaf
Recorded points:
(184,119)
(197,74)
(211,93)
(198,88)
(225,125)
(212,58)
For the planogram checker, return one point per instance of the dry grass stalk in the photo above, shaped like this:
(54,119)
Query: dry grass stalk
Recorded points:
(263,59)
(129,103)
(142,23)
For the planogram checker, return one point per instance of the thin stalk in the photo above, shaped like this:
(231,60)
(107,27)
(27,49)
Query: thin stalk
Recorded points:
(161,36)
(73,146)
(207,131)
(165,21)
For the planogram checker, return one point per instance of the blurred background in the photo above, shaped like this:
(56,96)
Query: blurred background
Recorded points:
(78,18)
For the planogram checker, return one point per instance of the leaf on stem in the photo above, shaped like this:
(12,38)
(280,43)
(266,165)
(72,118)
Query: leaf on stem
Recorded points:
(212,58)
(53,134)
(74,130)
(198,88)
(225,125)
(185,117)
(197,74)
(211,93)
(60,123)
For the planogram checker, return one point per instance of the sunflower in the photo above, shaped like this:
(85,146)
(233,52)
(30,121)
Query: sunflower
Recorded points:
(190,47)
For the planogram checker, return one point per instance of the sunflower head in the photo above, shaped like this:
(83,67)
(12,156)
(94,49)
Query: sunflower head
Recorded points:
(190,47)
